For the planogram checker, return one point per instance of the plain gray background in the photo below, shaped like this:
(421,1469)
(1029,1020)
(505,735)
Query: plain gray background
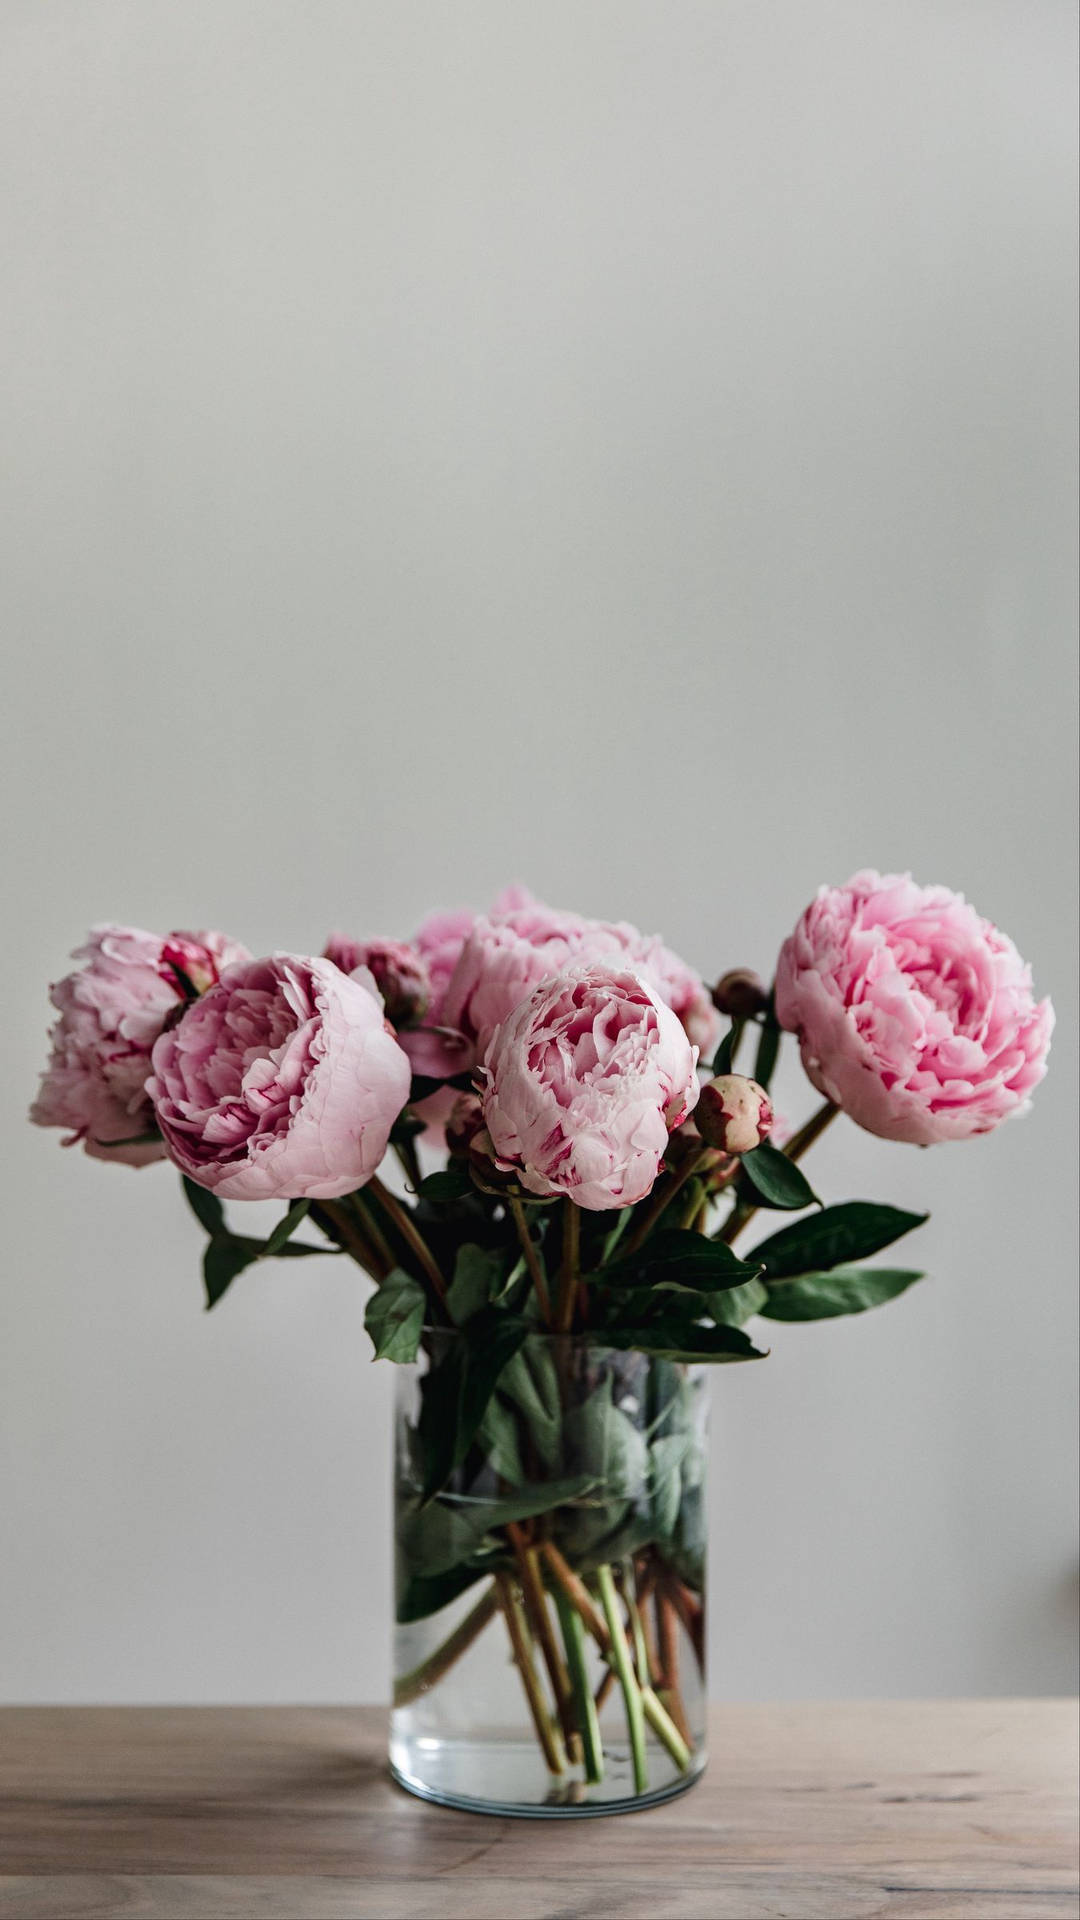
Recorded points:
(624,447)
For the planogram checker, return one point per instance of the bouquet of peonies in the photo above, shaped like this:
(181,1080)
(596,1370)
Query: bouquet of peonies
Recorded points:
(600,1154)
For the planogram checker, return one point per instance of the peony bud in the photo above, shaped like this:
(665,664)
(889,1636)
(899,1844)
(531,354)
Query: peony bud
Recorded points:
(485,1169)
(464,1122)
(740,994)
(399,972)
(734,1113)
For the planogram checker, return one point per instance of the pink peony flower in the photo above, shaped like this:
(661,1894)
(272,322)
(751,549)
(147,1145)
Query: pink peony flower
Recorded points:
(913,1014)
(582,1083)
(505,956)
(439,943)
(397,971)
(111,1012)
(282,1082)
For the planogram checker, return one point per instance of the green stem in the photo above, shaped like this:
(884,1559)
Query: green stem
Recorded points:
(373,1231)
(421,1679)
(620,1654)
(571,1263)
(799,1144)
(410,1233)
(662,1195)
(341,1226)
(665,1729)
(580,1599)
(585,1713)
(550,1743)
(410,1165)
(532,1258)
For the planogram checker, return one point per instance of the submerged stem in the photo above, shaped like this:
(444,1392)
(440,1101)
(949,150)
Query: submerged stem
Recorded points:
(585,1711)
(423,1677)
(632,1700)
(550,1742)
(536,1612)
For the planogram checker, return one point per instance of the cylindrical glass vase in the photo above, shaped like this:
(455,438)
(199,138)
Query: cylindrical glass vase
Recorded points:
(550,1636)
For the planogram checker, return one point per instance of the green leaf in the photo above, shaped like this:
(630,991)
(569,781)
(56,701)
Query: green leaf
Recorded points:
(530,1384)
(822,1296)
(665,1476)
(452,1183)
(422,1594)
(735,1308)
(292,1249)
(445,1533)
(500,1438)
(477,1273)
(768,1047)
(205,1205)
(395,1317)
(724,1057)
(605,1444)
(224,1258)
(458,1388)
(286,1227)
(675,1342)
(777,1180)
(836,1235)
(680,1257)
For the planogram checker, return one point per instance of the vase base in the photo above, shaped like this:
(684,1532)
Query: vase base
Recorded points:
(572,1799)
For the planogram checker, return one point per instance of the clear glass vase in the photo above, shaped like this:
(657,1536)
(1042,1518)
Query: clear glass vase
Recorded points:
(549,1645)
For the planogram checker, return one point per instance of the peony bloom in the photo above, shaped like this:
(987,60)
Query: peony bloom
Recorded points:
(913,1014)
(283,1082)
(398,972)
(734,1114)
(505,956)
(582,1084)
(439,943)
(111,1012)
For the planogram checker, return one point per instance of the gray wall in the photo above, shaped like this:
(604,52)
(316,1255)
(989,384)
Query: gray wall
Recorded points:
(624,446)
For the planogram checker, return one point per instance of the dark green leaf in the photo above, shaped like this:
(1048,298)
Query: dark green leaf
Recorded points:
(477,1273)
(452,1183)
(423,1595)
(205,1205)
(457,1390)
(724,1057)
(674,1342)
(438,1535)
(292,1249)
(395,1317)
(778,1182)
(286,1226)
(768,1047)
(734,1309)
(530,1384)
(680,1256)
(836,1235)
(224,1258)
(821,1296)
(605,1444)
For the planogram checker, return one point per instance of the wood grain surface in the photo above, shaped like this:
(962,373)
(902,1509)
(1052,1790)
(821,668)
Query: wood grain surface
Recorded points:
(937,1811)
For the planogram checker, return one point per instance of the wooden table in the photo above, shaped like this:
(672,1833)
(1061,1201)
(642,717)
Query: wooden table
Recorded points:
(920,1811)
